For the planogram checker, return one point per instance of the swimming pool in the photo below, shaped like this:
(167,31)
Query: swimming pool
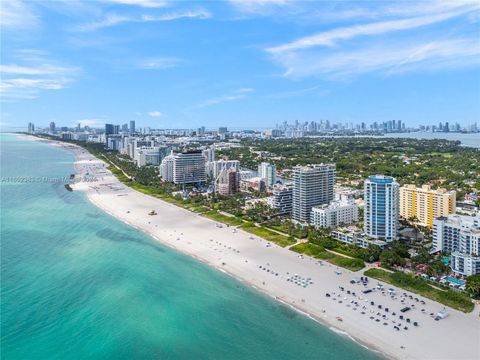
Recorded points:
(455,281)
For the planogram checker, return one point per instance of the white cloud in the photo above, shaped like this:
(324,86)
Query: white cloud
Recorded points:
(17,15)
(108,21)
(91,122)
(159,63)
(330,38)
(260,7)
(387,58)
(175,15)
(235,95)
(112,19)
(385,46)
(43,69)
(155,114)
(314,90)
(245,90)
(142,3)
(34,74)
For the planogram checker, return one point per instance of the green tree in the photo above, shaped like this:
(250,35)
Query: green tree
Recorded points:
(473,285)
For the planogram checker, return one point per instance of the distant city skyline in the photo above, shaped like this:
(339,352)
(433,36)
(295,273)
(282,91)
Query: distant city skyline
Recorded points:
(241,64)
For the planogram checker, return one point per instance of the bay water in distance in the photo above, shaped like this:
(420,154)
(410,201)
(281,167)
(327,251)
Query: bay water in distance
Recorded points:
(78,284)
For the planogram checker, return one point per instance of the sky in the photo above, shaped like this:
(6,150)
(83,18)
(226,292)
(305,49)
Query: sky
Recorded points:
(238,63)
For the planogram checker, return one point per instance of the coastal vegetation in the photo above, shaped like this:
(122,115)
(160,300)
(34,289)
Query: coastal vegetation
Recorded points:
(319,252)
(473,285)
(267,234)
(454,299)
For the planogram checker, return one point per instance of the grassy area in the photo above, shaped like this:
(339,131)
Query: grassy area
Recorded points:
(267,234)
(350,264)
(310,249)
(319,252)
(230,220)
(411,283)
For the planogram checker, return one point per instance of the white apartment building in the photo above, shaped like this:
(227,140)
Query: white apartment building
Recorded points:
(312,185)
(355,237)
(268,172)
(166,167)
(209,154)
(335,214)
(247,174)
(214,168)
(459,235)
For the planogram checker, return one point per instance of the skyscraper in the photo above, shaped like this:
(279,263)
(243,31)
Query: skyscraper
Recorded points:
(312,185)
(52,127)
(189,167)
(31,128)
(381,196)
(109,129)
(132,126)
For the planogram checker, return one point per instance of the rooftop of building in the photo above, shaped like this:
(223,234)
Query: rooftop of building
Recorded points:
(381,179)
(313,167)
(462,220)
(335,204)
(427,188)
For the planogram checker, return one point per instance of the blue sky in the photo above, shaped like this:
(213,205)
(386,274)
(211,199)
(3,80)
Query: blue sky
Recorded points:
(242,64)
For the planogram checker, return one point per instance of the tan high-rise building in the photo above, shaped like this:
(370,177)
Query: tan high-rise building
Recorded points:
(426,204)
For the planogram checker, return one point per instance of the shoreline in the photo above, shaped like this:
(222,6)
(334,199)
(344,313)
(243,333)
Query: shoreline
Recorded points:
(131,207)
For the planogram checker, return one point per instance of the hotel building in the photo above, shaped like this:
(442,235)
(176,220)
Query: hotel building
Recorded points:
(426,204)
(381,195)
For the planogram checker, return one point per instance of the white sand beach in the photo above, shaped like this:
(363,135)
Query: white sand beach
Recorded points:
(299,281)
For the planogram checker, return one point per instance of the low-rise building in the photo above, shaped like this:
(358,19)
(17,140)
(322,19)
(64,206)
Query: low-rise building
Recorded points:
(353,236)
(337,213)
(256,183)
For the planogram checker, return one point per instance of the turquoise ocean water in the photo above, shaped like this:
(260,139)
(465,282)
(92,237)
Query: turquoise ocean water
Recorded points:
(78,284)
